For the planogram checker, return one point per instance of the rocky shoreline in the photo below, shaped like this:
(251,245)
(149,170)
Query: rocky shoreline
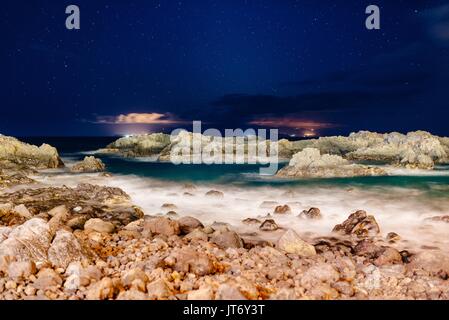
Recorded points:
(92,242)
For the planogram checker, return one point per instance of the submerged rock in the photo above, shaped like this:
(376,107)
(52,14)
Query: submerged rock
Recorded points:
(215,193)
(285,209)
(269,225)
(312,213)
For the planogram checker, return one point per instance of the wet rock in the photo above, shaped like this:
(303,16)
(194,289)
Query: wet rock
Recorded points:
(368,249)
(65,249)
(388,256)
(251,221)
(172,214)
(226,239)
(215,194)
(290,242)
(285,209)
(312,213)
(46,279)
(99,225)
(188,224)
(101,290)
(269,225)
(162,225)
(29,241)
(359,224)
(89,164)
(392,237)
(439,219)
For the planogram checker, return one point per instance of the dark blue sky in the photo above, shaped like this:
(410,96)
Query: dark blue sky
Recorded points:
(292,65)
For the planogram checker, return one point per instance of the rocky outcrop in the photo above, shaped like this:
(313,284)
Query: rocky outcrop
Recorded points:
(15,154)
(139,145)
(89,164)
(309,163)
(359,224)
(417,149)
(84,202)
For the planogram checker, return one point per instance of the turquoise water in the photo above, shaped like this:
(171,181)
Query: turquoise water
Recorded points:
(434,183)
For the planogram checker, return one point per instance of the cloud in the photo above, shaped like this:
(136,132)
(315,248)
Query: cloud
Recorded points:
(139,118)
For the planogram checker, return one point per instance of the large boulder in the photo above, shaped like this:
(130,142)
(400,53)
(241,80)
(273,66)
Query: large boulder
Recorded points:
(14,153)
(162,225)
(359,224)
(29,241)
(89,164)
(310,163)
(65,249)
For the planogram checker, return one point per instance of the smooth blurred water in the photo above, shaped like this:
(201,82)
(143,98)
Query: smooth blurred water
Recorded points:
(434,183)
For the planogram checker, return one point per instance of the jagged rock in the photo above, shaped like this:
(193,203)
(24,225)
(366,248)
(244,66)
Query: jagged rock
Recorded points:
(139,145)
(309,163)
(312,213)
(285,209)
(290,242)
(188,224)
(12,179)
(29,241)
(65,249)
(188,260)
(20,155)
(99,226)
(162,225)
(215,193)
(269,225)
(106,203)
(23,211)
(359,224)
(89,164)
(226,239)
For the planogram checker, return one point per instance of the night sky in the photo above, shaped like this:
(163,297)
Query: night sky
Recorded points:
(306,67)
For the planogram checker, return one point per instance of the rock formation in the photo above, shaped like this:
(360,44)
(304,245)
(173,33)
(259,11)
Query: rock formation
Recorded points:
(309,163)
(89,164)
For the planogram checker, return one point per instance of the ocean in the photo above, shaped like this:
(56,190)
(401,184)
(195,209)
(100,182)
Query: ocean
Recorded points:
(401,202)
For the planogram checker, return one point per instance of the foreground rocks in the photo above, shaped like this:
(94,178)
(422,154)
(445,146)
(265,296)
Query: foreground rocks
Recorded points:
(177,259)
